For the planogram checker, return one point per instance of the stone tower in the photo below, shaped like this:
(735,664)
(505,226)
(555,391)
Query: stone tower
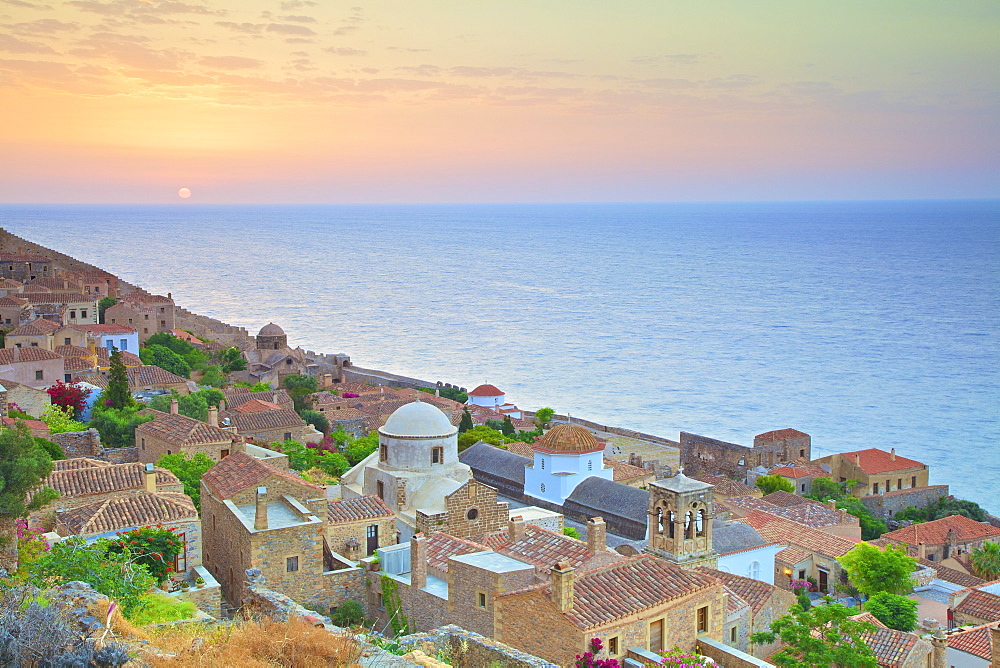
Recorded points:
(271,337)
(680,521)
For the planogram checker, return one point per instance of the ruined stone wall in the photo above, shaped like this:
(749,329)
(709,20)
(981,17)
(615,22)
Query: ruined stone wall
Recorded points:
(79,443)
(888,506)
(354,374)
(465,648)
(700,454)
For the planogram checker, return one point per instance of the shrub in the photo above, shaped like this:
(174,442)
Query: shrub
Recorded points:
(156,608)
(571,532)
(348,614)
(590,660)
(188,471)
(59,420)
(117,425)
(69,395)
(153,547)
(894,610)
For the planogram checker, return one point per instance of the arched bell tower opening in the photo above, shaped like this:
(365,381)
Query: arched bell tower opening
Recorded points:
(680,521)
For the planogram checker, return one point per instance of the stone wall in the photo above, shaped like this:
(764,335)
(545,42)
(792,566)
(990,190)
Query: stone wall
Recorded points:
(730,657)
(79,443)
(616,431)
(887,506)
(700,454)
(210,328)
(338,533)
(465,648)
(478,499)
(355,374)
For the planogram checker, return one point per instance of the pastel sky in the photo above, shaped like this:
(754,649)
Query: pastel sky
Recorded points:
(475,101)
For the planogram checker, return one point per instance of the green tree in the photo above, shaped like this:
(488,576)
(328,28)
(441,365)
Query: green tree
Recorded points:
(24,464)
(165,358)
(465,424)
(871,526)
(985,560)
(193,356)
(231,359)
(60,420)
(316,419)
(821,636)
(507,428)
(361,447)
(476,434)
(54,449)
(118,394)
(194,405)
(872,570)
(824,489)
(153,547)
(572,532)
(304,457)
(348,614)
(774,483)
(188,471)
(453,393)
(543,415)
(946,506)
(894,610)
(104,305)
(117,426)
(212,377)
(299,388)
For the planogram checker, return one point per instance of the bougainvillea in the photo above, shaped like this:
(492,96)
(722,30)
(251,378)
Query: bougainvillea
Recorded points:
(153,547)
(590,660)
(71,395)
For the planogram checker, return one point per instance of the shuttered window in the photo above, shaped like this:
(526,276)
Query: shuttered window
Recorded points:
(656,636)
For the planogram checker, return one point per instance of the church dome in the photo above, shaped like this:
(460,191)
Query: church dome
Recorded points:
(567,439)
(486,391)
(270,329)
(418,419)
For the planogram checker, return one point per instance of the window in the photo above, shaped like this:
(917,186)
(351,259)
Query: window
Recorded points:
(753,570)
(34,345)
(224,454)
(613,646)
(803,487)
(802,574)
(83,313)
(72,315)
(482,600)
(543,463)
(142,444)
(899,484)
(39,375)
(180,561)
(541,487)
(802,452)
(124,344)
(383,453)
(109,344)
(888,486)
(656,636)
(437,455)
(380,489)
(67,341)
(163,323)
(732,634)
(702,620)
(874,488)
(590,464)
(288,435)
(145,317)
(472,514)
(291,564)
(913,481)
(67,378)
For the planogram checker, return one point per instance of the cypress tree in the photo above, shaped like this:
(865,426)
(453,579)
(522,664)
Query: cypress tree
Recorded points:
(508,426)
(466,423)
(118,391)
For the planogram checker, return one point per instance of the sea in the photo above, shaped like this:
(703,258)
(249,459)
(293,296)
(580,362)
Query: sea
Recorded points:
(865,324)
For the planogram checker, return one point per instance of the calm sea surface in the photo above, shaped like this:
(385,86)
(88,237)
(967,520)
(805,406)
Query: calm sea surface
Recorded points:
(865,324)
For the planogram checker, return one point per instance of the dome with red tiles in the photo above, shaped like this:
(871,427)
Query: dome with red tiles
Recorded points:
(570,439)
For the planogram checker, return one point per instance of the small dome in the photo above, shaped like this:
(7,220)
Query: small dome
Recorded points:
(568,439)
(486,391)
(418,419)
(270,329)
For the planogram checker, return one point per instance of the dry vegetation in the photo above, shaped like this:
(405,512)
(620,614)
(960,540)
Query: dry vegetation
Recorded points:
(252,644)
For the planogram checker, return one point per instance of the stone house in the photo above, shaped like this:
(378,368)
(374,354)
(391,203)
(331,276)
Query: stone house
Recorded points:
(39,333)
(765,602)
(79,309)
(25,267)
(237,396)
(946,539)
(887,505)
(976,647)
(11,311)
(258,516)
(154,378)
(800,474)
(975,605)
(36,428)
(169,510)
(899,649)
(701,455)
(471,510)
(811,553)
(876,471)
(31,366)
(743,551)
(823,516)
(147,314)
(31,400)
(110,336)
(172,433)
(269,425)
(359,526)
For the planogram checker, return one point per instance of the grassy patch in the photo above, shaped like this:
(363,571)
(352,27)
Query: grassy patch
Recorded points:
(158,608)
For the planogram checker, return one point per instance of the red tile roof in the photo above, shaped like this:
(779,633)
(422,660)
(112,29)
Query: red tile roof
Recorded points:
(754,592)
(84,481)
(980,604)
(108,328)
(936,531)
(486,391)
(26,354)
(10,302)
(266,419)
(623,471)
(945,573)
(727,487)
(256,406)
(74,351)
(141,376)
(808,513)
(78,364)
(567,439)
(240,471)
(37,327)
(357,509)
(786,499)
(792,555)
(78,463)
(125,512)
(605,594)
(237,396)
(544,548)
(182,430)
(780,434)
(975,641)
(440,546)
(874,460)
(787,532)
(26,257)
(891,647)
(796,472)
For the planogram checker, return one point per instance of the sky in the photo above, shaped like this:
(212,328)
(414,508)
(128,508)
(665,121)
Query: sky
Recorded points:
(295,101)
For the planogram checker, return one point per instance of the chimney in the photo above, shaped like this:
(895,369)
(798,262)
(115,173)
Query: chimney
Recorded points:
(995,644)
(597,533)
(260,517)
(892,455)
(857,459)
(213,416)
(939,653)
(418,561)
(831,504)
(149,476)
(437,392)
(173,406)
(275,397)
(921,550)
(562,586)
(222,405)
(515,528)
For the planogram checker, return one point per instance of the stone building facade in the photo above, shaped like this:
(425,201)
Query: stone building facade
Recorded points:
(888,505)
(470,510)
(147,314)
(703,455)
(359,526)
(681,511)
(172,433)
(876,471)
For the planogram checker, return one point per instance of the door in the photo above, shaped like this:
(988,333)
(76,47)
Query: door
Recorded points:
(824,581)
(372,539)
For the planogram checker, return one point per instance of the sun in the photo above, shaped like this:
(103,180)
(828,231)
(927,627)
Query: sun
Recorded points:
(184,193)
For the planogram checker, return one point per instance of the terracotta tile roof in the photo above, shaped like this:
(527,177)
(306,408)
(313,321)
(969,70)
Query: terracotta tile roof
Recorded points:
(440,546)
(874,460)
(754,592)
(108,328)
(239,395)
(780,434)
(125,512)
(182,430)
(78,463)
(520,448)
(359,508)
(74,351)
(26,354)
(74,482)
(266,419)
(605,594)
(944,572)
(78,363)
(128,359)
(10,302)
(910,490)
(544,548)
(239,471)
(796,472)
(734,603)
(975,641)
(870,618)
(486,391)
(49,297)
(779,530)
(142,376)
(143,297)
(981,604)
(33,425)
(256,406)
(891,647)
(568,438)
(936,531)
(37,327)
(725,486)
(792,555)
(344,415)
(625,471)
(807,513)
(92,378)
(786,499)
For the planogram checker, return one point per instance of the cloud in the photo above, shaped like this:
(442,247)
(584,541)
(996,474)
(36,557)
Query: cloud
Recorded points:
(422,70)
(345,51)
(345,30)
(231,62)
(299,19)
(131,51)
(462,71)
(287,29)
(21,3)
(671,58)
(44,27)
(138,7)
(289,5)
(245,28)
(12,44)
